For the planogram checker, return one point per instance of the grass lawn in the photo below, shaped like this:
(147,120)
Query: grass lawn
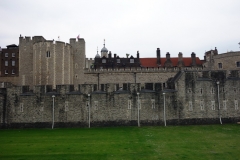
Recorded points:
(171,142)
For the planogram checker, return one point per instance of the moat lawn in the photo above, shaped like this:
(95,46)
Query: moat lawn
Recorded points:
(171,142)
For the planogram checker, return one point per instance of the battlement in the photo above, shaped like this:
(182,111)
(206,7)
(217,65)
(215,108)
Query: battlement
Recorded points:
(141,69)
(52,42)
(77,40)
(228,54)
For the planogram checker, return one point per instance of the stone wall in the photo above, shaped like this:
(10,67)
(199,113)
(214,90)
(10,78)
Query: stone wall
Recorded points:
(191,99)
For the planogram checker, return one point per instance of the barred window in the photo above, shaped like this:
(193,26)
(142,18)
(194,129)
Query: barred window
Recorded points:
(129,104)
(21,107)
(236,104)
(66,107)
(213,105)
(190,106)
(224,104)
(153,103)
(96,105)
(202,105)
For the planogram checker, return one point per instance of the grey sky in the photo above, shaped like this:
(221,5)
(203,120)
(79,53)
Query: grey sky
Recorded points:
(127,25)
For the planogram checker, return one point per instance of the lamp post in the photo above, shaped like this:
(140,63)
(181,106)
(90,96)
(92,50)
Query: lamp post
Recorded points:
(219,103)
(53,96)
(89,111)
(138,109)
(164,112)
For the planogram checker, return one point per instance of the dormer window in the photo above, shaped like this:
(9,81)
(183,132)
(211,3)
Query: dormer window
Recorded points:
(103,60)
(118,60)
(131,60)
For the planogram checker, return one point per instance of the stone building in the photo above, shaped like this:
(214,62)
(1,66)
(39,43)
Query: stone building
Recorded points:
(111,90)
(225,61)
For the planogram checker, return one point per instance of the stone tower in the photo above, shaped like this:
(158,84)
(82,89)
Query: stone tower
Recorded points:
(78,52)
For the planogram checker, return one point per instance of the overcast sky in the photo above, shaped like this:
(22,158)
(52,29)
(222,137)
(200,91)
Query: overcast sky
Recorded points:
(127,25)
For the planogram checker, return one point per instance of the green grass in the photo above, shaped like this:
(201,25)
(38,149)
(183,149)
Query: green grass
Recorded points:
(172,142)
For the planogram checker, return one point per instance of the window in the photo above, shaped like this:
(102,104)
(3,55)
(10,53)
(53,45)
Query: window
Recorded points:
(213,105)
(131,60)
(235,90)
(96,105)
(224,104)
(66,106)
(6,71)
(129,104)
(13,54)
(21,107)
(13,63)
(6,63)
(212,90)
(139,103)
(201,91)
(42,107)
(118,60)
(220,65)
(103,60)
(13,71)
(190,107)
(238,64)
(6,54)
(153,103)
(48,53)
(202,105)
(236,104)
(223,90)
(76,66)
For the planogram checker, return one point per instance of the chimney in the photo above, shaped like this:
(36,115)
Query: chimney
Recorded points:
(138,54)
(168,56)
(216,51)
(180,56)
(193,55)
(158,56)
(110,54)
(168,62)
(180,60)
(115,56)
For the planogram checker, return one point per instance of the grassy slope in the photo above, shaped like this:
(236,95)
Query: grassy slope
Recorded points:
(172,142)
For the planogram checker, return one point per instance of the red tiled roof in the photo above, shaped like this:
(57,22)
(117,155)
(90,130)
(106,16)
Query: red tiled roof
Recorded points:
(152,62)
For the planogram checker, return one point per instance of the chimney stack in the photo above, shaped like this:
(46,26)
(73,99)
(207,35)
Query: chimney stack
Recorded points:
(193,55)
(158,57)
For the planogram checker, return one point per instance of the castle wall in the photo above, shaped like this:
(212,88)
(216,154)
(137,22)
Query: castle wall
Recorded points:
(194,102)
(198,96)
